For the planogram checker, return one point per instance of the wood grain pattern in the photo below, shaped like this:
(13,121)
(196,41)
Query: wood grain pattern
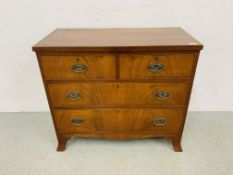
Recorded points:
(135,66)
(117,91)
(123,135)
(99,66)
(70,40)
(176,139)
(118,120)
(122,94)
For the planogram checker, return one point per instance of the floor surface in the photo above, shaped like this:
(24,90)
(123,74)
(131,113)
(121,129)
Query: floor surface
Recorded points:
(28,144)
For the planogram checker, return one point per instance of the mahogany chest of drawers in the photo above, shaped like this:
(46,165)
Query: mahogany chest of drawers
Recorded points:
(118,83)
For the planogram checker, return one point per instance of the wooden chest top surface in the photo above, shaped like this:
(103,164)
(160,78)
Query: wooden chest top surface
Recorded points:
(118,39)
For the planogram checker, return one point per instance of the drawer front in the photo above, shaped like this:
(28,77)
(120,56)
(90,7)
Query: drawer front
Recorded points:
(150,66)
(107,119)
(75,67)
(122,94)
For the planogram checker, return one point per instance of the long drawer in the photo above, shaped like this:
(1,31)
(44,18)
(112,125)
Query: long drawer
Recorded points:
(114,120)
(122,94)
(78,67)
(156,65)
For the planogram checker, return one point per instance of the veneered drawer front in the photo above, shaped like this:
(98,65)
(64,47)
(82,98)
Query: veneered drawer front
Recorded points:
(78,67)
(151,66)
(116,120)
(122,94)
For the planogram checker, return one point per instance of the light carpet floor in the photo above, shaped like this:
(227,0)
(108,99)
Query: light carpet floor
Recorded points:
(28,143)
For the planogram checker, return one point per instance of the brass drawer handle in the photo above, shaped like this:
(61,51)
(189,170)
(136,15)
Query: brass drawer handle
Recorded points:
(79,68)
(162,95)
(77,121)
(159,121)
(73,96)
(155,67)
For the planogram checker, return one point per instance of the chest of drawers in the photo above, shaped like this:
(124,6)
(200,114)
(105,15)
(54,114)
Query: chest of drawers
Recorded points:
(118,83)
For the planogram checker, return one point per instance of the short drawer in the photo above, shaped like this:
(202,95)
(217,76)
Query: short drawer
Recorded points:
(76,67)
(151,66)
(115,120)
(118,94)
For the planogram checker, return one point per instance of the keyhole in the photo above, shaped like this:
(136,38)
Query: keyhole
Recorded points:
(117,85)
(156,59)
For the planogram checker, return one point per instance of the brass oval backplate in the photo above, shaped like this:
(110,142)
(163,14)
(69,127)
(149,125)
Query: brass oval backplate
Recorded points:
(162,95)
(155,67)
(77,121)
(79,67)
(73,95)
(159,121)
